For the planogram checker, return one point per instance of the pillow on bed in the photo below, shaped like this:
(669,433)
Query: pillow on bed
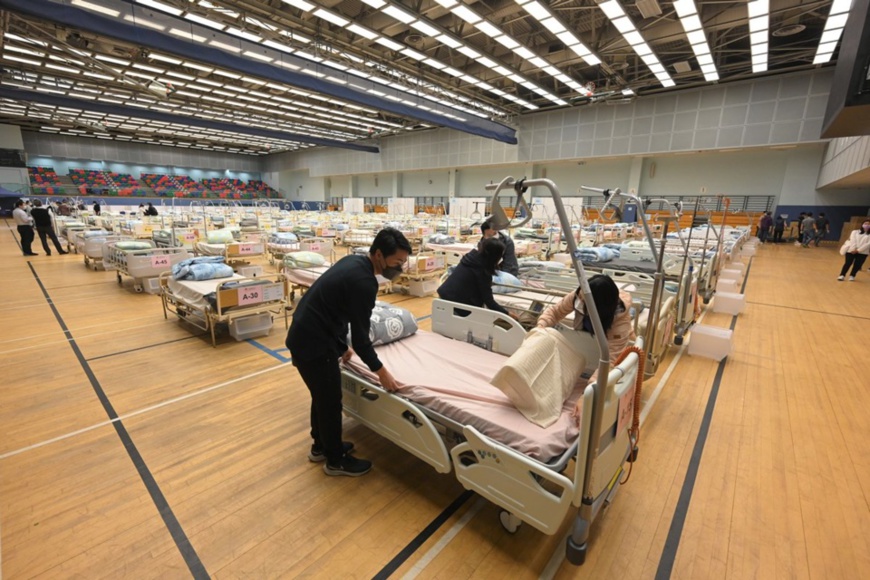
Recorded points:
(540,375)
(95,233)
(303,260)
(390,323)
(222,236)
(502,280)
(133,245)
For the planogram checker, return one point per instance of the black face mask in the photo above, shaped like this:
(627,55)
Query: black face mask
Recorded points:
(390,272)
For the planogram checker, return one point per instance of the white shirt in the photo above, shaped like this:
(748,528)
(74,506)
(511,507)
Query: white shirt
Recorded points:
(21,217)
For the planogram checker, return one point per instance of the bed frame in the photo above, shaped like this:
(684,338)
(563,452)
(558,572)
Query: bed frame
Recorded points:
(144,266)
(526,489)
(272,301)
(92,250)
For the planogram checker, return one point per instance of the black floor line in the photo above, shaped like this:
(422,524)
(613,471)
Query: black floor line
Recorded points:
(810,310)
(421,538)
(181,541)
(675,532)
(140,348)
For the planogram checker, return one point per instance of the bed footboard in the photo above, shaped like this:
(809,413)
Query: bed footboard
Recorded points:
(395,418)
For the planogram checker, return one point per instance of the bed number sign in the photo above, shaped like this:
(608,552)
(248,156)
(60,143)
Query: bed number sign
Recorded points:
(190,237)
(246,249)
(160,262)
(626,410)
(250,296)
(314,247)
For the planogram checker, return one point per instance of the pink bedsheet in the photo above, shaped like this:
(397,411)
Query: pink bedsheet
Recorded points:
(452,378)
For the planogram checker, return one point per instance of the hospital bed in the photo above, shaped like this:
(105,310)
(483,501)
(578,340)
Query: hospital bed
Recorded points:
(448,415)
(358,237)
(143,264)
(236,252)
(177,237)
(89,243)
(246,305)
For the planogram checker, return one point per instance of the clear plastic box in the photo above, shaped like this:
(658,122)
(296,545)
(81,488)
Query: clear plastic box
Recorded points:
(710,342)
(251,326)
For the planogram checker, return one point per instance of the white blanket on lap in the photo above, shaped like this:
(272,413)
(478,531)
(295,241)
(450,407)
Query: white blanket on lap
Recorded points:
(540,375)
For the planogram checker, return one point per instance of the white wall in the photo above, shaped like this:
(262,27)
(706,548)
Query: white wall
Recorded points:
(844,158)
(433,183)
(12,176)
(800,183)
(299,186)
(10,137)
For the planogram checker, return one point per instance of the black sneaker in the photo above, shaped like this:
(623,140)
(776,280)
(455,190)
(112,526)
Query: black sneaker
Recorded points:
(349,465)
(316,454)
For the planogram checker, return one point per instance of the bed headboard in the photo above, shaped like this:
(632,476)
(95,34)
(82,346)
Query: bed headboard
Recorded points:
(486,328)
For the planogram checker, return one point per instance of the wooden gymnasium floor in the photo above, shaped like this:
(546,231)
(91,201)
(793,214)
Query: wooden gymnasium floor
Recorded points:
(130,447)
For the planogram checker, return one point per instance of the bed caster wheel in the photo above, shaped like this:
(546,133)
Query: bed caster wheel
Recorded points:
(574,553)
(138,288)
(678,340)
(509,522)
(706,300)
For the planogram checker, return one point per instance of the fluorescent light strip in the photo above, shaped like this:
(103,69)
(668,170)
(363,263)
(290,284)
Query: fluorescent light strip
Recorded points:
(691,23)
(615,12)
(759,24)
(832,32)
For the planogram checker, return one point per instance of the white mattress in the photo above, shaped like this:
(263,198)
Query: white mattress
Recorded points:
(456,247)
(452,378)
(206,249)
(193,292)
(305,277)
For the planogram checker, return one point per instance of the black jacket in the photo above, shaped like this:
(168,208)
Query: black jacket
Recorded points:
(41,217)
(344,294)
(470,284)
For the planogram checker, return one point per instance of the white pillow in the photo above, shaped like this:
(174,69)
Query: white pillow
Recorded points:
(303,259)
(540,375)
(222,236)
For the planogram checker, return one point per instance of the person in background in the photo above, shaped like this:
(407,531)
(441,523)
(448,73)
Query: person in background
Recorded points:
(800,225)
(25,227)
(764,225)
(96,208)
(509,261)
(822,226)
(808,228)
(42,221)
(152,211)
(140,213)
(855,250)
(471,280)
(344,295)
(778,229)
(64,208)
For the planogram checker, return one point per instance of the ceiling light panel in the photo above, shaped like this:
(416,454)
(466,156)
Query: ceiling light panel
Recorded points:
(614,11)
(833,31)
(691,23)
(759,25)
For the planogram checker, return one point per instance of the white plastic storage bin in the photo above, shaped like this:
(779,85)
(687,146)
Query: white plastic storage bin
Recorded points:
(423,287)
(724,285)
(730,274)
(251,271)
(710,342)
(729,303)
(748,251)
(151,285)
(251,326)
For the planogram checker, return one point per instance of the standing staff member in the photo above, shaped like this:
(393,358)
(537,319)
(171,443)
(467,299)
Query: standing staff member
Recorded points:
(344,294)
(42,220)
(25,228)
(856,249)
(509,262)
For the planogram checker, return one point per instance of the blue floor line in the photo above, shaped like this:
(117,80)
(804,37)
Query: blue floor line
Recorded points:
(268,350)
(424,317)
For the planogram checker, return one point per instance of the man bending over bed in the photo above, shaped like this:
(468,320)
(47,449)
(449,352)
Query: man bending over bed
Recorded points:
(344,294)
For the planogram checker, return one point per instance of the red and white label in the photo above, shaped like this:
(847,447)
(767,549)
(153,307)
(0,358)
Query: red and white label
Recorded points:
(247,249)
(252,295)
(190,237)
(626,410)
(160,261)
(314,247)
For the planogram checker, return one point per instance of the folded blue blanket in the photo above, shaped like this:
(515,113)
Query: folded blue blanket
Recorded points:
(505,283)
(201,268)
(597,255)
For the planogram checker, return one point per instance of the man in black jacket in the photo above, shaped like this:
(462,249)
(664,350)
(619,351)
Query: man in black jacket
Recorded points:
(344,294)
(509,262)
(42,221)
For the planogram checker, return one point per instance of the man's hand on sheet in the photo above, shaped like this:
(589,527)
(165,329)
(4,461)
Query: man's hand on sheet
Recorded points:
(347,354)
(387,380)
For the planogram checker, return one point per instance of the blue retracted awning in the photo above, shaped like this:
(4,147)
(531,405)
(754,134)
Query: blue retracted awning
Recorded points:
(118,29)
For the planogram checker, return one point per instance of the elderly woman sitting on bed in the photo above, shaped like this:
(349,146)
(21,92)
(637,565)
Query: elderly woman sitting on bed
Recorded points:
(613,308)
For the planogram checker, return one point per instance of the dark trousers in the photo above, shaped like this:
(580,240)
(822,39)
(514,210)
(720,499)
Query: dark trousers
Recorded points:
(854,260)
(323,379)
(48,232)
(26,235)
(777,236)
